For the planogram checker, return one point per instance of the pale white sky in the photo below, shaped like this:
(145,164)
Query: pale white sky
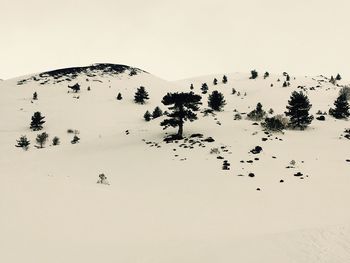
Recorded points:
(176,39)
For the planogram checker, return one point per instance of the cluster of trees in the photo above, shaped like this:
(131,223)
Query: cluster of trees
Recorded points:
(157,112)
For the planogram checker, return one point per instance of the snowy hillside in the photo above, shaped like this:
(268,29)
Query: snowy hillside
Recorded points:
(170,202)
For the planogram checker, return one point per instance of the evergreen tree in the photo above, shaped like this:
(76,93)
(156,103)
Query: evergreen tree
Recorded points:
(342,108)
(183,106)
(119,96)
(215,81)
(216,100)
(287,78)
(266,75)
(254,74)
(332,80)
(157,112)
(298,110)
(75,87)
(147,116)
(338,77)
(224,79)
(55,141)
(204,88)
(191,87)
(285,84)
(35,96)
(37,121)
(141,95)
(41,139)
(23,143)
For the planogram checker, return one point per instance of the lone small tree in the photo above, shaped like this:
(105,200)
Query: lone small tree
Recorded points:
(157,112)
(147,116)
(191,87)
(35,96)
(183,108)
(342,108)
(338,77)
(266,75)
(119,96)
(216,101)
(224,79)
(254,74)
(23,143)
(37,121)
(215,81)
(55,141)
(41,139)
(141,95)
(204,88)
(298,110)
(75,87)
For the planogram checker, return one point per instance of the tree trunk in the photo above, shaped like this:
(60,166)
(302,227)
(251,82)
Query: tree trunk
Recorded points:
(180,132)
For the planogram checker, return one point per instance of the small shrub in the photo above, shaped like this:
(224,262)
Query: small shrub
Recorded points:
(237,117)
(257,114)
(41,139)
(23,143)
(276,123)
(75,140)
(55,141)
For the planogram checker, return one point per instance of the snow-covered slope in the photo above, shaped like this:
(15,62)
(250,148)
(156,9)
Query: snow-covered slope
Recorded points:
(169,202)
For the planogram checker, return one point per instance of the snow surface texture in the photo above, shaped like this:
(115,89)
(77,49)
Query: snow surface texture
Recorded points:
(166,203)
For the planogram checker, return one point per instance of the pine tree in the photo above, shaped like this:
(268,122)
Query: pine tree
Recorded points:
(332,80)
(141,95)
(224,79)
(35,96)
(215,81)
(287,78)
(298,110)
(191,87)
(183,106)
(285,84)
(216,101)
(37,121)
(204,88)
(338,77)
(342,108)
(157,112)
(23,143)
(147,116)
(41,139)
(254,74)
(119,96)
(266,75)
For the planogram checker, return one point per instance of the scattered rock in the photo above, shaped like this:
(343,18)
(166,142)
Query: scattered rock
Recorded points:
(298,174)
(251,175)
(256,150)
(209,139)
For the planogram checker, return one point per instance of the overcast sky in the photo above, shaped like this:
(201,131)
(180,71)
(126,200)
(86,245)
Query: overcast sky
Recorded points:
(176,39)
